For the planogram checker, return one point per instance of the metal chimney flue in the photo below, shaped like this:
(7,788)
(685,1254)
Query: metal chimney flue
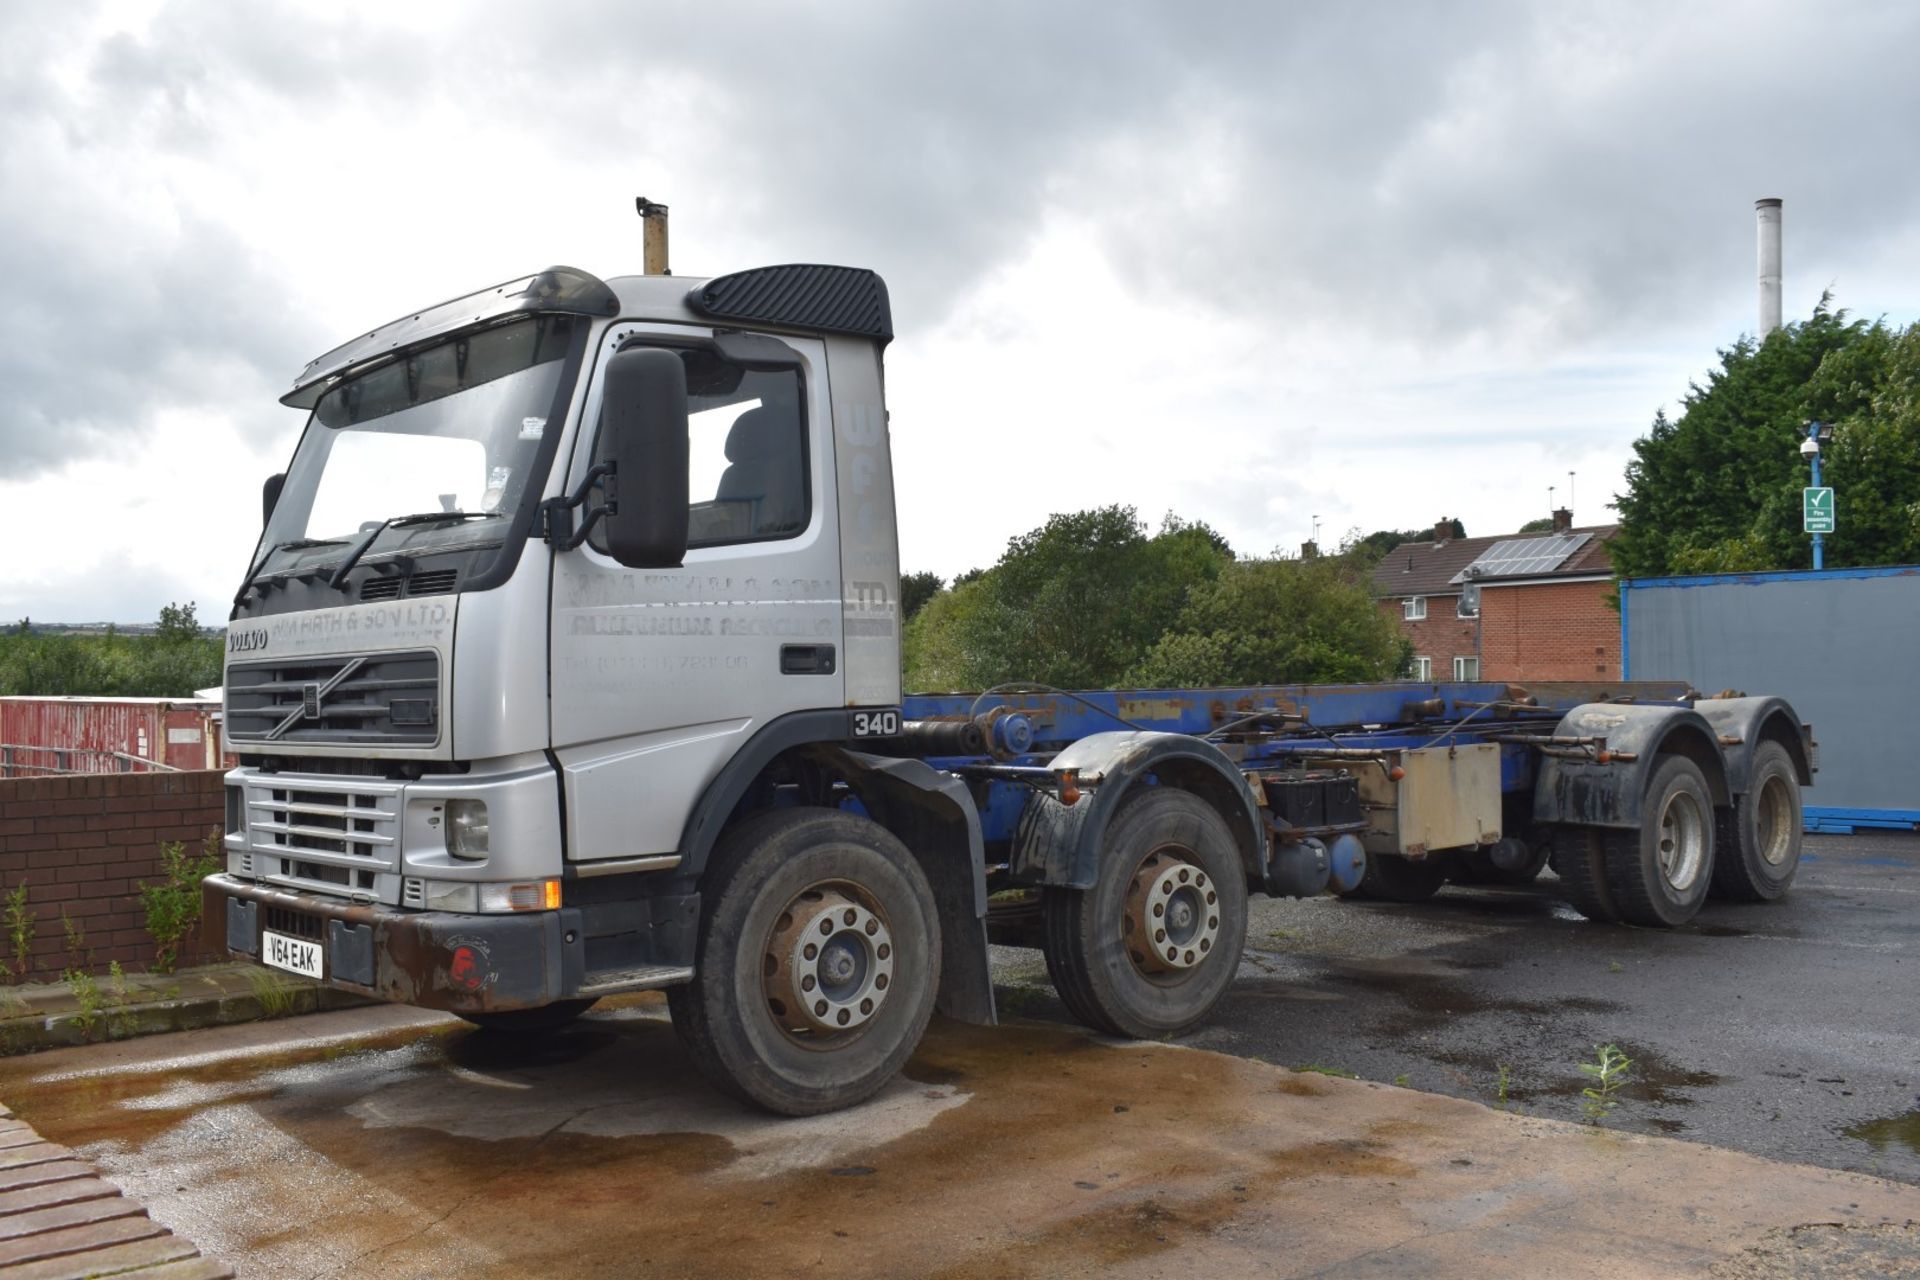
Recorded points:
(1767,215)
(653,249)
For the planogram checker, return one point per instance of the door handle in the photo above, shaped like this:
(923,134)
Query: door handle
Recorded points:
(806,659)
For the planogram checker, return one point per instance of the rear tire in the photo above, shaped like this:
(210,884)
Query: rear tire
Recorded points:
(1580,860)
(1659,874)
(1759,837)
(1154,944)
(542,1021)
(818,960)
(1391,878)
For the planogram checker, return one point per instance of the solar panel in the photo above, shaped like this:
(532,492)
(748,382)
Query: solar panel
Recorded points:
(1522,557)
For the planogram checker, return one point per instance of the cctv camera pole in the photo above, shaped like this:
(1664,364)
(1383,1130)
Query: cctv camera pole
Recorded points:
(1812,449)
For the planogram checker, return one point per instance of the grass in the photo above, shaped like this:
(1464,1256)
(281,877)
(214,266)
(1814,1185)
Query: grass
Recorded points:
(1502,1084)
(1338,1073)
(276,997)
(1608,1071)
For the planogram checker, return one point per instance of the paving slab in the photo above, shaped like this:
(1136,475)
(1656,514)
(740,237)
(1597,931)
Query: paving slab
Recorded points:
(58,1221)
(392,1142)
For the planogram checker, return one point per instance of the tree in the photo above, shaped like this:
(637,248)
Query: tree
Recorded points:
(1543,525)
(915,590)
(1718,488)
(1279,621)
(177,624)
(1074,603)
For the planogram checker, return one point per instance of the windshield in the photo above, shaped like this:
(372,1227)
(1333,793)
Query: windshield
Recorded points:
(454,429)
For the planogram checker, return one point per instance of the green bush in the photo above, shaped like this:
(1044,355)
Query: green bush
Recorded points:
(173,904)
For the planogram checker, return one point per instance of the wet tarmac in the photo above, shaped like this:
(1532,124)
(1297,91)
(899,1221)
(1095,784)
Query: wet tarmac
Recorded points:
(1789,1030)
(385,1142)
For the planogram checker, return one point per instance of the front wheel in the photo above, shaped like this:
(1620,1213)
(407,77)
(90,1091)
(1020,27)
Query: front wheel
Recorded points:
(1150,948)
(546,1019)
(818,960)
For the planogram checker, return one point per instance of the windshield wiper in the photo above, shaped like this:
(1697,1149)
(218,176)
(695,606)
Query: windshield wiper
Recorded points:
(358,549)
(292,544)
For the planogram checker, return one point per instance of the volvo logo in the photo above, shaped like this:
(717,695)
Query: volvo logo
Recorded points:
(246,641)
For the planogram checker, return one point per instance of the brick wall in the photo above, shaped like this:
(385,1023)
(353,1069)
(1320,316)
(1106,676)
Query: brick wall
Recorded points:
(1440,635)
(84,843)
(1549,631)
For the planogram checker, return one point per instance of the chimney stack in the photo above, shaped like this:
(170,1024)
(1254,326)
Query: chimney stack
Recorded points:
(1308,550)
(1442,530)
(653,247)
(1767,215)
(1562,519)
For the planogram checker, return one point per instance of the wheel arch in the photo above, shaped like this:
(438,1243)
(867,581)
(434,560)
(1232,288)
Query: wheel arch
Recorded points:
(1589,793)
(1752,721)
(1059,845)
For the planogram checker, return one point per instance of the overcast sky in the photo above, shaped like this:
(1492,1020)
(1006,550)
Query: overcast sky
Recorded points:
(1252,263)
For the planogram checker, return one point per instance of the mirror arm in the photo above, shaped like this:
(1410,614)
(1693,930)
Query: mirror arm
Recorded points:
(558,512)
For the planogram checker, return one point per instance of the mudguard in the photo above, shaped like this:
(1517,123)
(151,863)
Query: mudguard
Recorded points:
(1059,844)
(1589,793)
(1753,721)
(933,815)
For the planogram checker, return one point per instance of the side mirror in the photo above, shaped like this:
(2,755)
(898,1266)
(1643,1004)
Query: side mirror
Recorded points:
(643,433)
(270,495)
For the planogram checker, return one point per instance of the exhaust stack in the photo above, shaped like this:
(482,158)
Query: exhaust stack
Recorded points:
(1767,214)
(653,252)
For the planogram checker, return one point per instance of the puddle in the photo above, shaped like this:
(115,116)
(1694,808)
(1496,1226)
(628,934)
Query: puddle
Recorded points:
(1891,1134)
(1722,931)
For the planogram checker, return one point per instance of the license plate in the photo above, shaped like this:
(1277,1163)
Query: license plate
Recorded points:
(295,955)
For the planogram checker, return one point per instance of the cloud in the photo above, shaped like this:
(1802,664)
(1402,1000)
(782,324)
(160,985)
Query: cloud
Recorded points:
(1300,237)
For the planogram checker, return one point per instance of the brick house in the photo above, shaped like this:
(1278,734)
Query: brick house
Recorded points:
(1513,607)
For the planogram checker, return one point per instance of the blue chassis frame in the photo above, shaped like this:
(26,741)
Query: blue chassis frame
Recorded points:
(1367,716)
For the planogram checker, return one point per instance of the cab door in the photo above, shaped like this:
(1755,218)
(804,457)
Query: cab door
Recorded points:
(660,675)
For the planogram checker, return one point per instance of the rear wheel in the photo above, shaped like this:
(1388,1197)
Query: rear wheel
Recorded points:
(1659,874)
(545,1019)
(818,960)
(1580,860)
(1150,948)
(1391,878)
(1759,837)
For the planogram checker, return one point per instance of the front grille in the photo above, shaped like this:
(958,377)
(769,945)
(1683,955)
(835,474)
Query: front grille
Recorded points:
(369,698)
(296,924)
(325,835)
(391,586)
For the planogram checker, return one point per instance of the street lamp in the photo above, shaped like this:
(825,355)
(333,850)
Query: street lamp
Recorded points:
(1817,433)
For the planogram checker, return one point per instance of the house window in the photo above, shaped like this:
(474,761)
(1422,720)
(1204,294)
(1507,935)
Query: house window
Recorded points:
(1468,603)
(1414,608)
(1422,669)
(1466,668)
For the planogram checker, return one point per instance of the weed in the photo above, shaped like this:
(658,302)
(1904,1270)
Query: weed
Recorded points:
(276,997)
(1614,966)
(86,995)
(79,953)
(21,924)
(1403,1081)
(1608,1071)
(173,904)
(120,1022)
(1505,1080)
(1282,935)
(1336,1072)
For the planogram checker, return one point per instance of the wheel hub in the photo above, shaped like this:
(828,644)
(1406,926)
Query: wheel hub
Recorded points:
(829,962)
(1682,851)
(1171,919)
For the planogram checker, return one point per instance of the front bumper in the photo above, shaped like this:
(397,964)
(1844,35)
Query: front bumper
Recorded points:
(431,959)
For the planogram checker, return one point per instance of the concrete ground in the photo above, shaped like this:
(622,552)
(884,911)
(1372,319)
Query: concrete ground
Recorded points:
(384,1141)
(1789,1029)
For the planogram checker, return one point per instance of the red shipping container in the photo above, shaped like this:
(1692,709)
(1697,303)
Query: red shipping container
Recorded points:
(41,737)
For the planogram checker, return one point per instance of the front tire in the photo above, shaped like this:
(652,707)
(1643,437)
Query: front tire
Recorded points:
(1759,837)
(1660,873)
(1152,946)
(545,1020)
(817,964)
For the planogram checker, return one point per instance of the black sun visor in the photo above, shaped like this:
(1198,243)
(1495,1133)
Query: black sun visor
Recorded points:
(557,289)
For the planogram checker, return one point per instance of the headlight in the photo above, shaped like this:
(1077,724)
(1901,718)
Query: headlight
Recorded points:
(442,896)
(467,828)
